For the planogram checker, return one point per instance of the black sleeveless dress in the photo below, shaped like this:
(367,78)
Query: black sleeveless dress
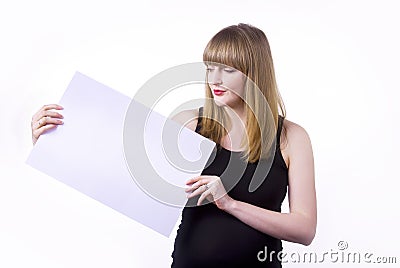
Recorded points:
(210,237)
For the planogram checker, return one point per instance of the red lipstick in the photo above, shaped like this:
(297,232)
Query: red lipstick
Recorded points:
(218,92)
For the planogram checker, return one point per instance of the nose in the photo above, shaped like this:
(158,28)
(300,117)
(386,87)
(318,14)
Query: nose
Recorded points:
(215,77)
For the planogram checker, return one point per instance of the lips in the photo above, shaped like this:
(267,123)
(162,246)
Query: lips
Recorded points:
(219,92)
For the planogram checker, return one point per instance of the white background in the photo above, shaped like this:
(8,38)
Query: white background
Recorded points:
(337,65)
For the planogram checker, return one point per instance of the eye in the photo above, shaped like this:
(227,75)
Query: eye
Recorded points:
(230,70)
(210,68)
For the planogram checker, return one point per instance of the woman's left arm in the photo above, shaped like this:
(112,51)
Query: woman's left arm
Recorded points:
(299,225)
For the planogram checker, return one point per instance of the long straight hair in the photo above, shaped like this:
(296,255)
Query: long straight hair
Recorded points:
(245,48)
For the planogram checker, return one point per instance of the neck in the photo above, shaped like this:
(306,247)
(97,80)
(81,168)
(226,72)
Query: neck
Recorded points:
(237,130)
(237,115)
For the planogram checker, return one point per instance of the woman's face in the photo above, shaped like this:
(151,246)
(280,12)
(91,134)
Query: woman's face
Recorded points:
(227,85)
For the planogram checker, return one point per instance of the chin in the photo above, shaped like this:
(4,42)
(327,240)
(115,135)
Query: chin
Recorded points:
(227,103)
(220,103)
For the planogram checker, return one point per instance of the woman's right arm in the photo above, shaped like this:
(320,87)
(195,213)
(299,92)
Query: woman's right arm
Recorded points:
(45,119)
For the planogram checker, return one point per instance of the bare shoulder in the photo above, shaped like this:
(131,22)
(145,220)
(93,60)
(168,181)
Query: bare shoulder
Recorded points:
(294,131)
(187,118)
(296,140)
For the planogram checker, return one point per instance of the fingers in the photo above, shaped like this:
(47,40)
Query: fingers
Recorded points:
(45,111)
(199,180)
(36,133)
(52,114)
(192,180)
(196,191)
(206,194)
(45,119)
(52,106)
(205,186)
(198,183)
(204,191)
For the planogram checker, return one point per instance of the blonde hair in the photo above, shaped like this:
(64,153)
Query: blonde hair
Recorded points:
(245,48)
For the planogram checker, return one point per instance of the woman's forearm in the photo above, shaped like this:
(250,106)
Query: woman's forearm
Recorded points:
(293,227)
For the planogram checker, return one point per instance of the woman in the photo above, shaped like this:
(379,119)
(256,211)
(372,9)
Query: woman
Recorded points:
(225,224)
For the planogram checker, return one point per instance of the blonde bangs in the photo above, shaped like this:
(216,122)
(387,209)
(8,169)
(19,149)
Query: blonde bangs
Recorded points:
(225,48)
